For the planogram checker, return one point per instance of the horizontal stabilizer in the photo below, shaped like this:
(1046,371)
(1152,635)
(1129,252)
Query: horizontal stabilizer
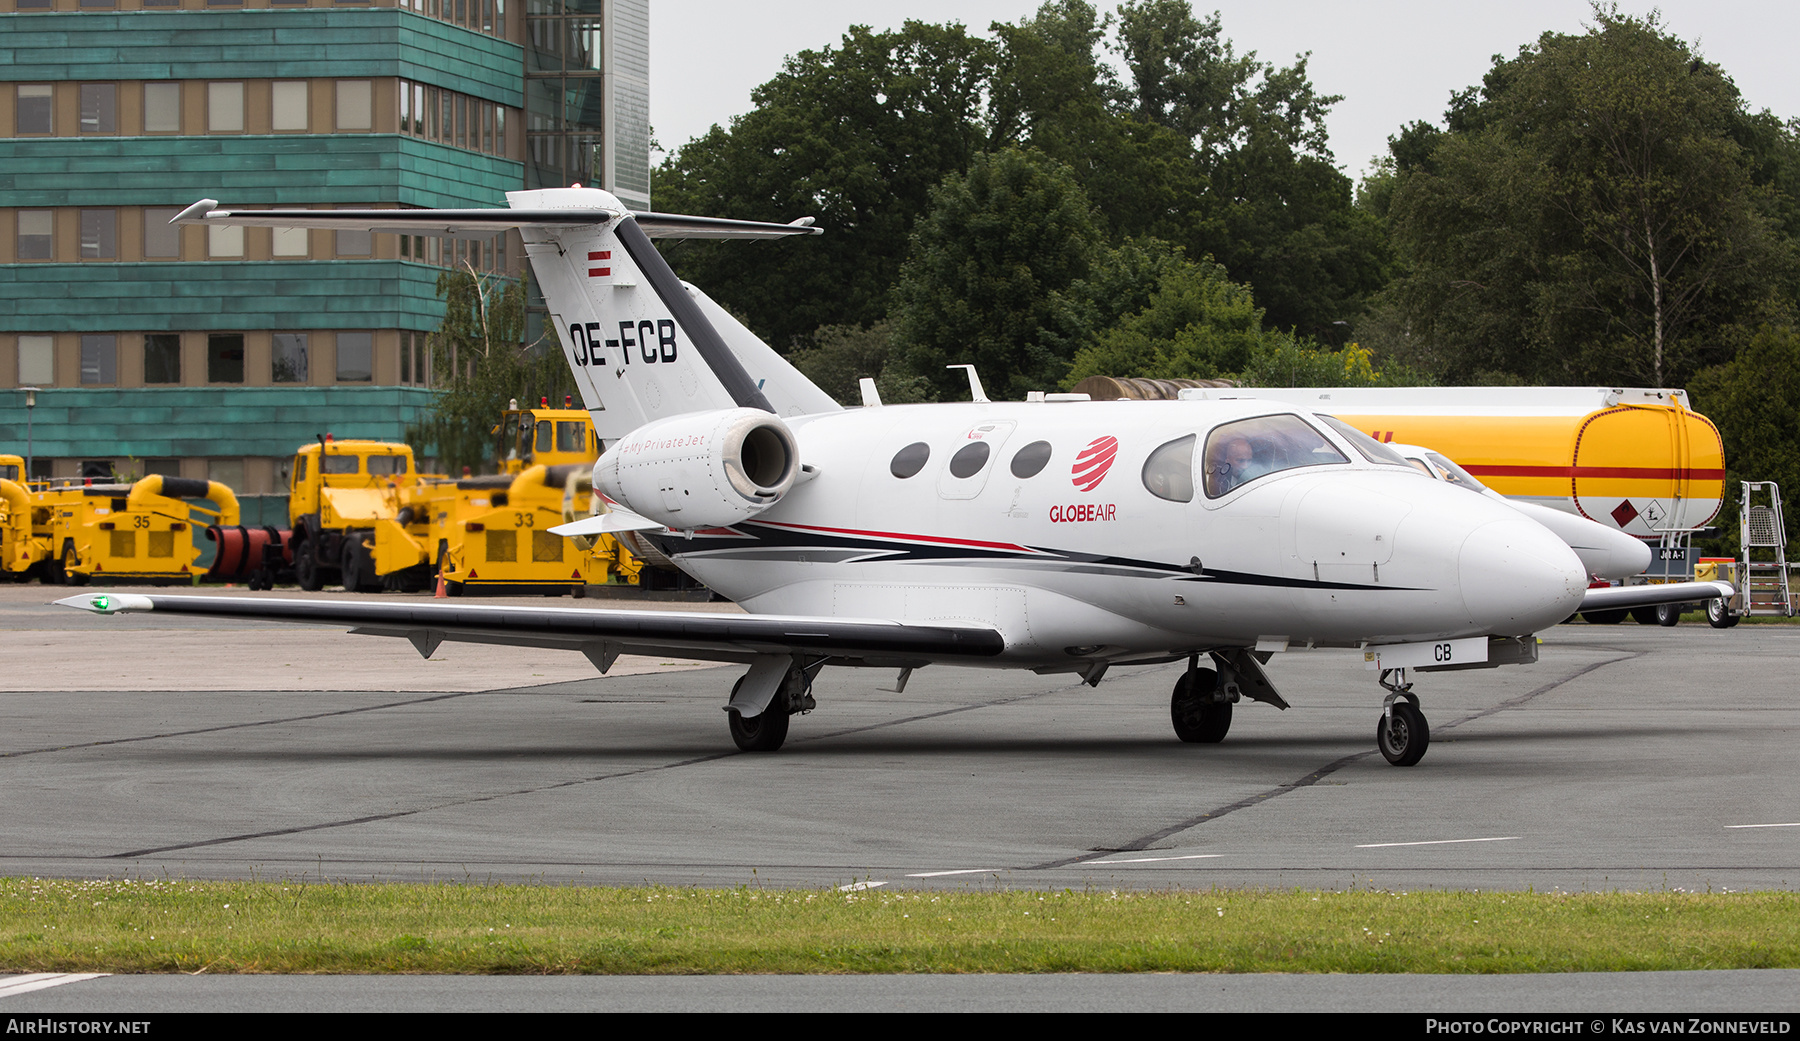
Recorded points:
(467,222)
(610,523)
(1618,598)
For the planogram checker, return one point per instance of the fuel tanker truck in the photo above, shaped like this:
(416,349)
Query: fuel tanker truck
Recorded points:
(1637,460)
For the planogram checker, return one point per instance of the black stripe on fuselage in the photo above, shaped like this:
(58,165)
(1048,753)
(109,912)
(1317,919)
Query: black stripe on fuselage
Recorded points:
(778,542)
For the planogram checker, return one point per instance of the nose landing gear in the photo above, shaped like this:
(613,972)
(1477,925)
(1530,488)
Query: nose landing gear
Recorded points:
(1402,733)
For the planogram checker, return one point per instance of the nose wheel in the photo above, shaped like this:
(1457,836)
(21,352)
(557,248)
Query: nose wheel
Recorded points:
(1194,708)
(1402,733)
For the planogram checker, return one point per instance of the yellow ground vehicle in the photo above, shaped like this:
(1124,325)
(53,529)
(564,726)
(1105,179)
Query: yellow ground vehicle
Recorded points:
(363,516)
(338,491)
(1638,460)
(21,551)
(140,532)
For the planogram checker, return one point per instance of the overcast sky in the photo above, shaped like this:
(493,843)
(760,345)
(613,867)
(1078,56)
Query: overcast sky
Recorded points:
(1393,61)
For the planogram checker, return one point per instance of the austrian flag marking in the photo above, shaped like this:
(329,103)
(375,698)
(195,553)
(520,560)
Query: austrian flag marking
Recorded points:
(1093,462)
(602,255)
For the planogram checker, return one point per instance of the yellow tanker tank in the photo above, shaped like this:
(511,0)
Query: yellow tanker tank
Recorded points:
(1638,460)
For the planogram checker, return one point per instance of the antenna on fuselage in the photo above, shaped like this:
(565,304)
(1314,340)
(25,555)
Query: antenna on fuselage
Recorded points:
(975,391)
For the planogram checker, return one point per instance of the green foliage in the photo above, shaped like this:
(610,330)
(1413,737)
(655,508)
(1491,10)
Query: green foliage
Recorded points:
(995,276)
(1196,324)
(857,136)
(1754,400)
(1590,215)
(841,355)
(1219,153)
(478,364)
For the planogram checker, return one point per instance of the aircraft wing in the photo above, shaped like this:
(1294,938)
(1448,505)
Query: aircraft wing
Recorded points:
(600,634)
(1614,598)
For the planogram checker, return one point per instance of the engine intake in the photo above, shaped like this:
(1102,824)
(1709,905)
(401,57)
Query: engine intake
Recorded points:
(701,470)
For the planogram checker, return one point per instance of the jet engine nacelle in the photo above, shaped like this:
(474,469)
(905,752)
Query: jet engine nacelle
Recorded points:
(703,469)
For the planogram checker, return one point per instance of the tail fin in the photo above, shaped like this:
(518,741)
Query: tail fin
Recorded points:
(641,346)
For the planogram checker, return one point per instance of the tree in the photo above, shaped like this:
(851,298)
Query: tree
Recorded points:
(840,356)
(1754,400)
(479,363)
(1275,209)
(857,136)
(1196,324)
(1590,214)
(995,275)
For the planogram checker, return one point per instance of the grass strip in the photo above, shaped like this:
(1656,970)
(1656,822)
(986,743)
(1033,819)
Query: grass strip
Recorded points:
(125,925)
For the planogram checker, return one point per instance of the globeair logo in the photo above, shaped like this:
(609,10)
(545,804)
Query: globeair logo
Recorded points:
(1093,462)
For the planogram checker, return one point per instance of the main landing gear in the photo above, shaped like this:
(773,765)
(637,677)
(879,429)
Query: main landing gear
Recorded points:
(1199,708)
(764,699)
(1402,733)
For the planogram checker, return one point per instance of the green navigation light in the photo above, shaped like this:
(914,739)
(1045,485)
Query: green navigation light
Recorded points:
(102,603)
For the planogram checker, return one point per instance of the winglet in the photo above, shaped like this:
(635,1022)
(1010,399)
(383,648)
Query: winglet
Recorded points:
(108,603)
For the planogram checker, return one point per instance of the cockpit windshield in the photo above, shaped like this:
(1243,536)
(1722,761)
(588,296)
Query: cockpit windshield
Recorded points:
(1240,452)
(1454,474)
(1372,450)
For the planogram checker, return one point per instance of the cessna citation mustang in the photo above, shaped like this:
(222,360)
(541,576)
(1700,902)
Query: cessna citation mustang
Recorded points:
(1059,536)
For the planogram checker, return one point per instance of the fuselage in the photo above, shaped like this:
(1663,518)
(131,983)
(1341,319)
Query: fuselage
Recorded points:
(1105,531)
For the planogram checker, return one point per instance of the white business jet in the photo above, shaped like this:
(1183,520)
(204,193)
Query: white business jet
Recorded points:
(1054,535)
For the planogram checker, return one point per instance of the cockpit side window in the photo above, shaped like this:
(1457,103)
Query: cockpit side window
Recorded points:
(1240,452)
(1372,450)
(1169,472)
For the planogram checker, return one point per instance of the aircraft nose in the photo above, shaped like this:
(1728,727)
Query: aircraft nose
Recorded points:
(1516,577)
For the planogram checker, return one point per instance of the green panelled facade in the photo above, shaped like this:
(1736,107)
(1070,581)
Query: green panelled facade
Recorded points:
(356,169)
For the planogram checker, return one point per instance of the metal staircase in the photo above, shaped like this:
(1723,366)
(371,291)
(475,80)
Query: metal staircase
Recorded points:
(1763,573)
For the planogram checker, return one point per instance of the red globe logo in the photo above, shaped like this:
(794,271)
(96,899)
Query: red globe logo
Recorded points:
(1093,462)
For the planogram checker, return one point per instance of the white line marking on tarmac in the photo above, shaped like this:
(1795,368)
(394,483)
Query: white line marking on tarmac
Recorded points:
(1152,860)
(1796,824)
(1434,842)
(855,886)
(10,985)
(965,871)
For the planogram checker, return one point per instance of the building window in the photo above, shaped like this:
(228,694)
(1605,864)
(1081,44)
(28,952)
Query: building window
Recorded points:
(33,115)
(228,472)
(290,105)
(162,108)
(225,358)
(99,234)
(100,3)
(160,3)
(162,358)
(225,107)
(37,361)
(355,243)
(99,358)
(288,242)
(35,234)
(287,358)
(355,357)
(355,105)
(224,240)
(99,108)
(162,240)
(33,5)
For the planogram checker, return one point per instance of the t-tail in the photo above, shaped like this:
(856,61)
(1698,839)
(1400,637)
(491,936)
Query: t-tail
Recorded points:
(642,345)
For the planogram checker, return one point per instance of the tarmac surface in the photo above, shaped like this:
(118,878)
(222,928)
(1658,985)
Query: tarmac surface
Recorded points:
(1630,757)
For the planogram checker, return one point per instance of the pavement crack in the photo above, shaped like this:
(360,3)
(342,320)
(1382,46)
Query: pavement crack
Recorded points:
(1322,772)
(241,726)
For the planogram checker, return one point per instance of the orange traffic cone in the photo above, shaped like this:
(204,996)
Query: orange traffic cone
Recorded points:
(440,594)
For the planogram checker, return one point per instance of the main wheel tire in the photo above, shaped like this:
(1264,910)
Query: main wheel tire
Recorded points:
(1402,734)
(1604,617)
(1669,614)
(1718,614)
(1197,718)
(306,567)
(1644,616)
(763,733)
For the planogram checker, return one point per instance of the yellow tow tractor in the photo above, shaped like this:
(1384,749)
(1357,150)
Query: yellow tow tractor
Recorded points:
(22,548)
(141,532)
